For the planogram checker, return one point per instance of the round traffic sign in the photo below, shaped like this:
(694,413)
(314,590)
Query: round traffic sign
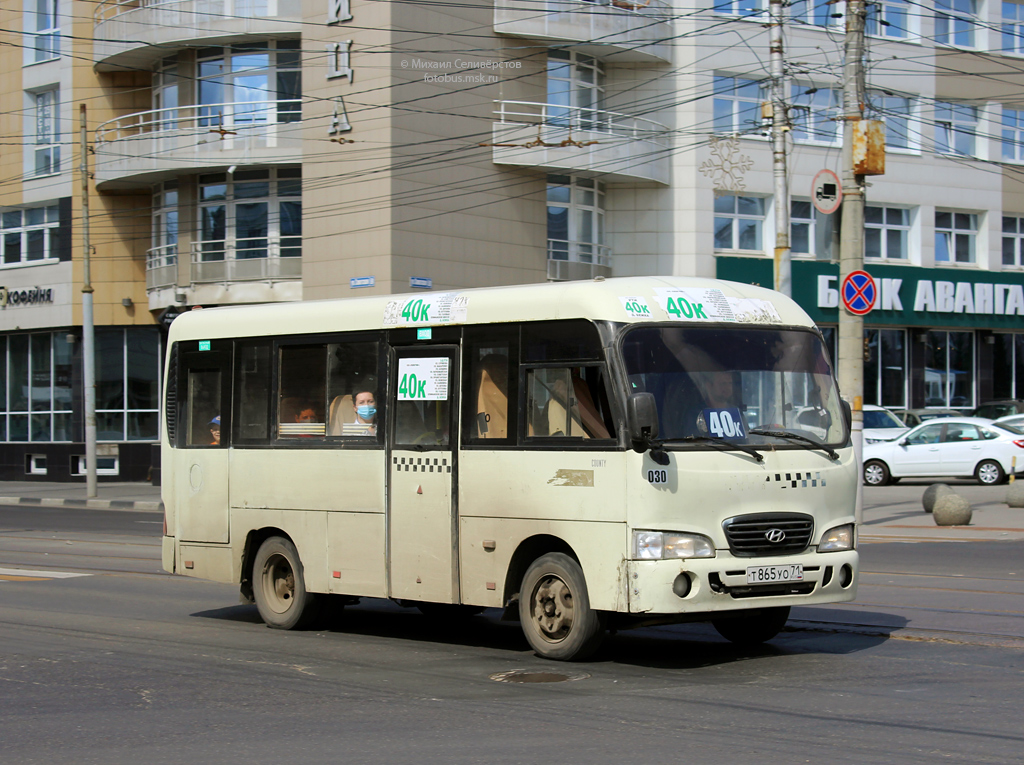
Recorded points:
(859,292)
(826,192)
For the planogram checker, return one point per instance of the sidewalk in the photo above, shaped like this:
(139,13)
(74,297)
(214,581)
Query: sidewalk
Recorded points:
(109,496)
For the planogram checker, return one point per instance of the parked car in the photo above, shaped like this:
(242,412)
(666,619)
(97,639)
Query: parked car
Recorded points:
(914,417)
(954,447)
(881,425)
(996,409)
(1013,420)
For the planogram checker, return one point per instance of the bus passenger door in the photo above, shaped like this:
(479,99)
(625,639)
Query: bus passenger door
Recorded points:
(422,525)
(201,472)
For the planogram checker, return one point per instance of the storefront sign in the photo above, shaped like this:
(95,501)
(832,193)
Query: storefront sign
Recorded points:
(906,295)
(33,296)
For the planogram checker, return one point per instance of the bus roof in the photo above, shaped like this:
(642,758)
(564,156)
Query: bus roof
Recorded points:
(628,300)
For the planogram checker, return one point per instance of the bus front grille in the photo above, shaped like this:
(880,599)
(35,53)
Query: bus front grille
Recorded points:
(768,534)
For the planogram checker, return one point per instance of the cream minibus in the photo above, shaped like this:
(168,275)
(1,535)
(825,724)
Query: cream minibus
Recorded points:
(584,455)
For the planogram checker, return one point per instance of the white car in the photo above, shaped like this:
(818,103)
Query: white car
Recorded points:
(955,447)
(881,425)
(1013,420)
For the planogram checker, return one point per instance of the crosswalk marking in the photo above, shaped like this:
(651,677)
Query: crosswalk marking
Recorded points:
(30,575)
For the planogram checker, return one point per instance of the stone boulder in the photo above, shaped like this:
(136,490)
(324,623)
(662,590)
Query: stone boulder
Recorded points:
(951,510)
(1015,494)
(932,493)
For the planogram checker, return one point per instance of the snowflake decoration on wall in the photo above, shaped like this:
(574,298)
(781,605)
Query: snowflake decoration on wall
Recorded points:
(726,166)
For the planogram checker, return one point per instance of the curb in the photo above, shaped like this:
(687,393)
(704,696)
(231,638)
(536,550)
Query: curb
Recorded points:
(88,504)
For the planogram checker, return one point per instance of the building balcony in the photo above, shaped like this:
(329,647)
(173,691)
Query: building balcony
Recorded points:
(135,33)
(571,261)
(159,144)
(615,147)
(629,31)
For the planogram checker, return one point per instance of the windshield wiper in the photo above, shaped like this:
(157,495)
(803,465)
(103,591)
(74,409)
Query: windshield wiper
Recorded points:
(794,437)
(718,443)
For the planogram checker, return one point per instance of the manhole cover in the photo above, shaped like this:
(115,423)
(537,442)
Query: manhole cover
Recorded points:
(534,676)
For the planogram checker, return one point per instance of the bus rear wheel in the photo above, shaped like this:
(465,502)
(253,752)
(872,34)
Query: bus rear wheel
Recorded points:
(555,612)
(753,627)
(279,587)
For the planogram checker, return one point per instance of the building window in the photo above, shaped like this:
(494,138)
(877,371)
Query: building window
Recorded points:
(810,232)
(1013,234)
(162,258)
(955,128)
(949,369)
(955,234)
(127,384)
(895,112)
(1013,134)
(888,18)
(955,21)
(1013,27)
(745,8)
(28,235)
(250,84)
(575,89)
(576,220)
(35,387)
(47,146)
(1008,366)
(166,93)
(885,367)
(46,36)
(739,222)
(737,104)
(814,115)
(815,12)
(886,232)
(250,214)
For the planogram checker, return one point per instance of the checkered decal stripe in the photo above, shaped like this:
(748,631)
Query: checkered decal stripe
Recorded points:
(422,464)
(796,480)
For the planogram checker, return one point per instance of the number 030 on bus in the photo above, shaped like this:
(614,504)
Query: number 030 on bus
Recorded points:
(584,455)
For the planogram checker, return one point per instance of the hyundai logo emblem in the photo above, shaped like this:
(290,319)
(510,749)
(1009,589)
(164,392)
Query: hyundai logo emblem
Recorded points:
(775,535)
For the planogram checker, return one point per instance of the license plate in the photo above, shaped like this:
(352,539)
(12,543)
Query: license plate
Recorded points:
(774,574)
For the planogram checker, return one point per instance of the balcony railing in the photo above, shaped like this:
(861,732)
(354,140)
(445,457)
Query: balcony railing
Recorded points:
(568,260)
(109,9)
(162,266)
(247,259)
(225,120)
(580,119)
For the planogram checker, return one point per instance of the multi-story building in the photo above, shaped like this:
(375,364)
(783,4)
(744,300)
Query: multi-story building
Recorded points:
(253,151)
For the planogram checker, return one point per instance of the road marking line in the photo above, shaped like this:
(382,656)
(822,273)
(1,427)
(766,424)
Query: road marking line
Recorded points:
(6,578)
(20,574)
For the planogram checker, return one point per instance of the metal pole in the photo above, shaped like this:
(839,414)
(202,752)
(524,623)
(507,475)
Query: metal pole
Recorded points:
(88,339)
(851,245)
(780,126)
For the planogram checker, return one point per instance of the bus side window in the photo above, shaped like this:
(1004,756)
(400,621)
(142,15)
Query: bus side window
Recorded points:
(252,421)
(202,414)
(490,375)
(355,400)
(303,375)
(567,402)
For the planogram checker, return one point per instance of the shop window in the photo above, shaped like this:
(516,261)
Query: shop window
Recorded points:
(1008,365)
(737,104)
(35,387)
(739,222)
(955,236)
(949,369)
(886,232)
(127,384)
(885,367)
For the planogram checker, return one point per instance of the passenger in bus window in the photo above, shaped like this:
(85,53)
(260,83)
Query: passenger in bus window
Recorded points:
(364,404)
(306,413)
(215,431)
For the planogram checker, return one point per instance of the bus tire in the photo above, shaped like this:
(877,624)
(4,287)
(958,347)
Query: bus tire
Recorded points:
(555,612)
(280,588)
(753,627)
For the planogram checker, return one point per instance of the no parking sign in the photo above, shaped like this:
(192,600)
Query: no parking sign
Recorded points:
(859,293)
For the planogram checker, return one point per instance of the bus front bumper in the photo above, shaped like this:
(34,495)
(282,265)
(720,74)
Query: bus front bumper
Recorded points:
(697,585)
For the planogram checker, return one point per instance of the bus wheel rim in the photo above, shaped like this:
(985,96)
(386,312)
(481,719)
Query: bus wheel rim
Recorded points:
(552,608)
(279,584)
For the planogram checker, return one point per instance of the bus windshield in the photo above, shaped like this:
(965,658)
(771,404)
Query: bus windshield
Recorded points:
(737,384)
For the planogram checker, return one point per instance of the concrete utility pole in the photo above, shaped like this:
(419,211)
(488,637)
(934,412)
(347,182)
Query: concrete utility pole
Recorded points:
(851,245)
(88,338)
(780,127)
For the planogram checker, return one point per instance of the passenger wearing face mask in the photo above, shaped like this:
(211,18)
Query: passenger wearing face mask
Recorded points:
(365,405)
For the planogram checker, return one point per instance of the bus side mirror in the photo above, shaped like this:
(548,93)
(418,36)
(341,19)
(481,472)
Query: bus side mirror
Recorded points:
(847,413)
(642,416)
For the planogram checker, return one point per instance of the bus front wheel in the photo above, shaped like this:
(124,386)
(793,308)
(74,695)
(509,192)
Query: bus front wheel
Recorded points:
(279,587)
(753,627)
(554,609)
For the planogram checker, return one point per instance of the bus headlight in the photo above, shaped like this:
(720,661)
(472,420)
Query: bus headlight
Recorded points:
(839,538)
(661,545)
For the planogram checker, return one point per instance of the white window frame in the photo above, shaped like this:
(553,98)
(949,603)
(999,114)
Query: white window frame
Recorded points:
(953,234)
(744,9)
(883,106)
(46,131)
(1012,134)
(586,243)
(25,229)
(812,223)
(1012,29)
(726,90)
(812,13)
(1015,238)
(885,227)
(950,17)
(953,120)
(43,43)
(882,14)
(809,112)
(736,217)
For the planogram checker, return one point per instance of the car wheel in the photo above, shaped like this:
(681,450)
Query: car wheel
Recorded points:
(876,473)
(989,473)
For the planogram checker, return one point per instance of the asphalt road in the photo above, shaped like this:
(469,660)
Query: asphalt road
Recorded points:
(129,665)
